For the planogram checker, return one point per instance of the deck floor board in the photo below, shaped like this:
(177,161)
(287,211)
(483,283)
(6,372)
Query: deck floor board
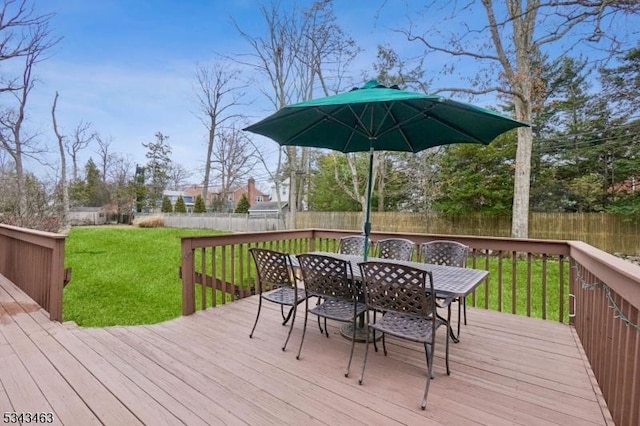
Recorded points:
(204,369)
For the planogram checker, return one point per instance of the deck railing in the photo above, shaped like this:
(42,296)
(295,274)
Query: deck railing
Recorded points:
(606,294)
(541,278)
(34,261)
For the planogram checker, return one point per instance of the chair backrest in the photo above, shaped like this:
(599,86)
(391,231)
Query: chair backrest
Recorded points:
(353,244)
(394,287)
(327,276)
(444,252)
(273,268)
(395,248)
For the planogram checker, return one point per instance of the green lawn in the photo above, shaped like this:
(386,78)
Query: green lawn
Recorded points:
(129,275)
(124,275)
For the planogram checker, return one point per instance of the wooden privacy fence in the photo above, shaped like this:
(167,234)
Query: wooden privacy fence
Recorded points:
(34,261)
(527,277)
(609,232)
(234,222)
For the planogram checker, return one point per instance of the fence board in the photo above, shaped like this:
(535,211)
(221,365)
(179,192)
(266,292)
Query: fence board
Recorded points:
(609,232)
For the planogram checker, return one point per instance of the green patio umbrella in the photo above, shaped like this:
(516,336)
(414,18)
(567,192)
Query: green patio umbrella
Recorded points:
(380,118)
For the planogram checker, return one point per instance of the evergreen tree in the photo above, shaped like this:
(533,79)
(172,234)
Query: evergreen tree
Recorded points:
(476,178)
(243,205)
(199,206)
(157,169)
(166,205)
(140,189)
(180,206)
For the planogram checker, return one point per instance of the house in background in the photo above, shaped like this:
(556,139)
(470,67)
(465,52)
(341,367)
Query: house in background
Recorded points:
(228,201)
(189,200)
(284,194)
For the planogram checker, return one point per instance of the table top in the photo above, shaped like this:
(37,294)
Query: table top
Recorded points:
(453,280)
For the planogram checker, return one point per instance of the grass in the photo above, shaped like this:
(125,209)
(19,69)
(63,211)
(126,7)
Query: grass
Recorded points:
(124,275)
(129,276)
(487,294)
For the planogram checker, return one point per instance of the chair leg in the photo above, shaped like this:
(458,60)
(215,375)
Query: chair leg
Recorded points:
(375,345)
(429,356)
(304,327)
(384,345)
(293,319)
(366,352)
(446,358)
(353,344)
(423,405)
(319,325)
(459,309)
(257,316)
(288,317)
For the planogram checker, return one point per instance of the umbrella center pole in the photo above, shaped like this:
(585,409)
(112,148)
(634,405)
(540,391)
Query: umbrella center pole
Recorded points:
(367,220)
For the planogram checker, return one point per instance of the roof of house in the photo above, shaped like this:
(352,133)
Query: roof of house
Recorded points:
(267,206)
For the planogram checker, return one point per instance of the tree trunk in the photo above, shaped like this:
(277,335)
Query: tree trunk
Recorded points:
(520,215)
(64,211)
(293,186)
(382,176)
(207,162)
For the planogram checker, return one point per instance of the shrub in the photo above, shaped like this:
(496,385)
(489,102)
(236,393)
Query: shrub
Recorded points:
(199,206)
(243,205)
(149,222)
(166,205)
(180,206)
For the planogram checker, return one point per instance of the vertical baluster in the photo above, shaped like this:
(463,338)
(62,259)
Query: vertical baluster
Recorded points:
(561,289)
(544,286)
(214,271)
(500,290)
(486,281)
(514,281)
(205,281)
(529,284)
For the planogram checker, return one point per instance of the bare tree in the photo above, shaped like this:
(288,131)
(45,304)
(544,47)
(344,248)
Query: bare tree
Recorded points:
(64,185)
(79,140)
(218,91)
(121,175)
(24,39)
(503,48)
(105,155)
(300,50)
(233,158)
(177,176)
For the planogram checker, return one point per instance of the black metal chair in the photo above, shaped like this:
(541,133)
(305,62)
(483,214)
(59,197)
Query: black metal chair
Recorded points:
(405,296)
(395,248)
(331,280)
(277,284)
(449,253)
(353,244)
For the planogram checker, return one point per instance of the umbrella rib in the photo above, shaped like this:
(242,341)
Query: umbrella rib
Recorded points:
(397,125)
(323,116)
(447,123)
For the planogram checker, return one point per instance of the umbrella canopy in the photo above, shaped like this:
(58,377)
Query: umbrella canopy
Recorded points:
(380,118)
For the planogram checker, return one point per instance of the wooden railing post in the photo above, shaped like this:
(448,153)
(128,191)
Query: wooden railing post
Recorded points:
(57,280)
(188,282)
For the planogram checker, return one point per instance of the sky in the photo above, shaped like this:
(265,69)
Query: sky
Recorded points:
(128,66)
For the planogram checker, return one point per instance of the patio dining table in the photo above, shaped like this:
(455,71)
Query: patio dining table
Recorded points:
(447,280)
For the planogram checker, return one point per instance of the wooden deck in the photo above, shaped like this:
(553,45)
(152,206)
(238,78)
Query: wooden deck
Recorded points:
(204,369)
